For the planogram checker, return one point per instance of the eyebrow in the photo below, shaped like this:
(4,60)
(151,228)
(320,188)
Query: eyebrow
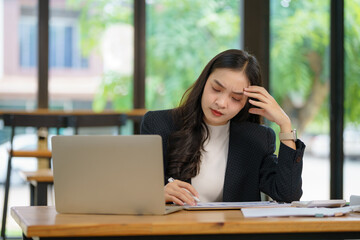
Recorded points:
(218,83)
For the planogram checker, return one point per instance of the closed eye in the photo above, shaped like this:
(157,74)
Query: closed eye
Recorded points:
(237,100)
(216,90)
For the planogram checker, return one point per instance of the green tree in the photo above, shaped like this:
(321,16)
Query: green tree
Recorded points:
(300,60)
(352,61)
(95,16)
(182,36)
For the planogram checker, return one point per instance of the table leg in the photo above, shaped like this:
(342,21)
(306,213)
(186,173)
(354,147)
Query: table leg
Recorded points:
(32,195)
(41,194)
(25,238)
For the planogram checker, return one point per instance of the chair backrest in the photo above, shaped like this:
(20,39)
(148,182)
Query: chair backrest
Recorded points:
(14,120)
(97,120)
(59,121)
(29,120)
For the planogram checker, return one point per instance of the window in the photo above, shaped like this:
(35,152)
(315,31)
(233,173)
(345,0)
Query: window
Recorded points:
(103,32)
(64,42)
(64,45)
(28,42)
(352,98)
(182,36)
(299,78)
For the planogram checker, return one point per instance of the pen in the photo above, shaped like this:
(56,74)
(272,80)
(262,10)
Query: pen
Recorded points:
(170,180)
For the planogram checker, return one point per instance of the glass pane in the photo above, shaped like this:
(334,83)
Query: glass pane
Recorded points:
(91,57)
(18,26)
(299,59)
(91,54)
(352,99)
(181,37)
(18,87)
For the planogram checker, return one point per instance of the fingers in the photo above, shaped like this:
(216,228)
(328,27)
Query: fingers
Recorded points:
(258,89)
(179,197)
(257,111)
(257,103)
(188,187)
(267,105)
(259,93)
(180,192)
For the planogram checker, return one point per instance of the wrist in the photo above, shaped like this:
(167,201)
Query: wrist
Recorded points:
(286,127)
(284,122)
(291,135)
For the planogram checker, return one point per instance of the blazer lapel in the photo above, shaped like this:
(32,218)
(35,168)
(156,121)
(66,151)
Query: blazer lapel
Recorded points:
(238,156)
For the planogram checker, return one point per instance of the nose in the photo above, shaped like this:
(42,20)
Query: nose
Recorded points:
(221,102)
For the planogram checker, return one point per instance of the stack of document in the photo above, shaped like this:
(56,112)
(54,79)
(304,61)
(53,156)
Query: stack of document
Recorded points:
(316,208)
(300,212)
(320,203)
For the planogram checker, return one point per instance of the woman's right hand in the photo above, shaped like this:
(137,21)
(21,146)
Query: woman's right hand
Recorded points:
(180,192)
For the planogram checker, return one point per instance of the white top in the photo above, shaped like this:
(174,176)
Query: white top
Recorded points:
(210,181)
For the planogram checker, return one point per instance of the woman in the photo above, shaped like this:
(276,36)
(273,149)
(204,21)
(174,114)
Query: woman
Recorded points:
(214,145)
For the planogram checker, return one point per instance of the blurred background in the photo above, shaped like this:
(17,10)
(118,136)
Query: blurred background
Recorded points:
(91,66)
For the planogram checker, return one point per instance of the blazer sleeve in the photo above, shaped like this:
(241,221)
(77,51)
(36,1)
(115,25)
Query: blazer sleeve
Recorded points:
(157,123)
(280,176)
(145,127)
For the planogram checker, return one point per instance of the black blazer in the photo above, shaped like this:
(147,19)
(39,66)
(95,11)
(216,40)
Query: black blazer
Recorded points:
(252,165)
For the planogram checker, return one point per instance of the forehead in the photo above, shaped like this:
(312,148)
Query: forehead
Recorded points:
(229,77)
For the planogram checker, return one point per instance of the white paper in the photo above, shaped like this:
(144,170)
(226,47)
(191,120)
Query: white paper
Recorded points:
(354,200)
(296,211)
(320,203)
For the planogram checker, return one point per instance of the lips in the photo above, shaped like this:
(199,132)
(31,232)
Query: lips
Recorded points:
(216,113)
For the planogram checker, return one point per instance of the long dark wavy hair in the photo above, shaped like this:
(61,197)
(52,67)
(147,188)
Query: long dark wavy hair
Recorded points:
(186,144)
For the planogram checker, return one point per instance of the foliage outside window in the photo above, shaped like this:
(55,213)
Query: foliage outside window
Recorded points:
(181,37)
(299,61)
(352,62)
(352,97)
(300,74)
(106,26)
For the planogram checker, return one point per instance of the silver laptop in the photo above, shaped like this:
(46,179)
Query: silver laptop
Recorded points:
(109,175)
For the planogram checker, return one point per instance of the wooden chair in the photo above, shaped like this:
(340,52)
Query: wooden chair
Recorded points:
(14,121)
(39,181)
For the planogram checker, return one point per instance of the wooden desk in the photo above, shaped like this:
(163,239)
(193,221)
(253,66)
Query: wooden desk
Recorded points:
(46,223)
(39,181)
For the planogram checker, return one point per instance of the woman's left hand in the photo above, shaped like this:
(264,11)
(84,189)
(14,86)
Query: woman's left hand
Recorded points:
(267,106)
(270,109)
